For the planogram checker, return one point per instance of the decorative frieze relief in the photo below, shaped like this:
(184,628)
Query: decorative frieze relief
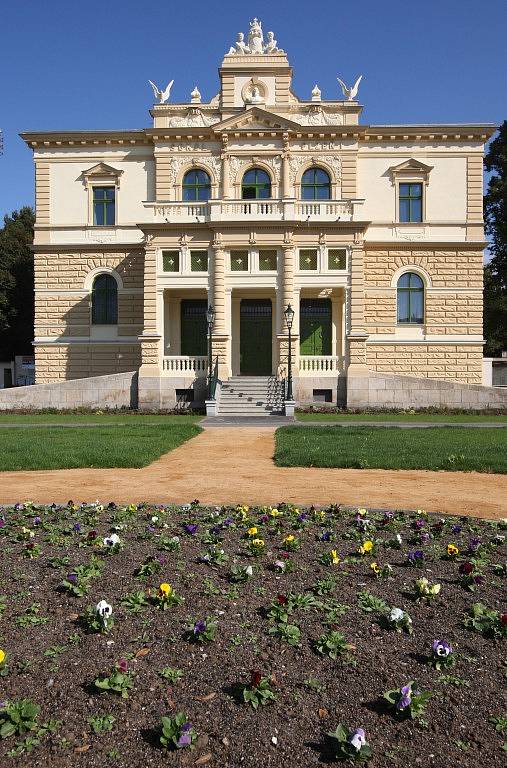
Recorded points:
(333,161)
(318,116)
(211,162)
(195,118)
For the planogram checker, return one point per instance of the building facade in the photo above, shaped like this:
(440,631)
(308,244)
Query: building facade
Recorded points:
(250,202)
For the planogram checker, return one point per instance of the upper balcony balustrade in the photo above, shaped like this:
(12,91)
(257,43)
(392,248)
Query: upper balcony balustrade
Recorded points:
(181,212)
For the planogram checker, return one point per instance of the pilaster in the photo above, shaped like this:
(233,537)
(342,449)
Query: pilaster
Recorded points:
(151,336)
(220,336)
(357,334)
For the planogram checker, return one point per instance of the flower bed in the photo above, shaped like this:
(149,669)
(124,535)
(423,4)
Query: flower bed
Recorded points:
(147,635)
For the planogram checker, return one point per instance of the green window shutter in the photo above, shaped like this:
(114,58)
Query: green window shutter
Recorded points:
(308,258)
(315,327)
(267,261)
(104,206)
(198,261)
(337,258)
(239,261)
(194,329)
(171,261)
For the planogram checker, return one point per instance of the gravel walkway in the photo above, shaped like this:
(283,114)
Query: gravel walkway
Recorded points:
(234,465)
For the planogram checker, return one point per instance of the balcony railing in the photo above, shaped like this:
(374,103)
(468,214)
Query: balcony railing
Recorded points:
(185,365)
(250,210)
(320,365)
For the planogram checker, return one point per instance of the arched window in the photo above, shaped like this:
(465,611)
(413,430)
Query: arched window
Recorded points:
(315,185)
(256,185)
(196,185)
(410,299)
(104,300)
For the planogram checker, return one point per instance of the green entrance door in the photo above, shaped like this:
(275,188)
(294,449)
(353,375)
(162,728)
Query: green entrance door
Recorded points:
(255,337)
(315,327)
(194,329)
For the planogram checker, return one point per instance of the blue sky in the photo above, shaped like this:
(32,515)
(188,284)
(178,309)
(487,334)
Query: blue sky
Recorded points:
(75,65)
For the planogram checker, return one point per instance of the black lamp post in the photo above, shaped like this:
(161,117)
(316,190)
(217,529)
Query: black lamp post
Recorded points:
(210,319)
(289,318)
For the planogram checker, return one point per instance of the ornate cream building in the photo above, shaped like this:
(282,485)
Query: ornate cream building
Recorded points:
(250,202)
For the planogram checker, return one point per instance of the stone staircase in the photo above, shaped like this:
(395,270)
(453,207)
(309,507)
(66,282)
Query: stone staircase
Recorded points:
(251,396)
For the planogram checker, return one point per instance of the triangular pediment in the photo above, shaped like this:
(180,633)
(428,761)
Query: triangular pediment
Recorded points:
(102,169)
(256,119)
(411,165)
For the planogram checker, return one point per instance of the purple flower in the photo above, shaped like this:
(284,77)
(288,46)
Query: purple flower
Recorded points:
(216,530)
(263,519)
(77,527)
(303,516)
(2,522)
(419,523)
(151,528)
(357,738)
(473,545)
(326,536)
(413,557)
(37,521)
(228,521)
(425,537)
(123,665)
(199,627)
(478,580)
(186,727)
(441,648)
(456,528)
(72,577)
(161,559)
(406,698)
(190,528)
(185,739)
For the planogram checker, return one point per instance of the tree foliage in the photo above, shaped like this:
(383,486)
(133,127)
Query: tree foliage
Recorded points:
(495,275)
(16,284)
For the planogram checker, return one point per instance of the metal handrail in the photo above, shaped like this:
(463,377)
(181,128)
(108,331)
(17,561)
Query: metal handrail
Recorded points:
(214,381)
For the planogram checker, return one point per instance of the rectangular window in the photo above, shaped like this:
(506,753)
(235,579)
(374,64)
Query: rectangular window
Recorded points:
(410,199)
(104,206)
(267,261)
(198,261)
(322,395)
(239,261)
(171,261)
(337,258)
(308,259)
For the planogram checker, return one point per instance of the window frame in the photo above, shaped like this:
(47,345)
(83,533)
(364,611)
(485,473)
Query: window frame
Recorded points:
(93,296)
(105,202)
(257,185)
(195,186)
(314,185)
(410,183)
(410,290)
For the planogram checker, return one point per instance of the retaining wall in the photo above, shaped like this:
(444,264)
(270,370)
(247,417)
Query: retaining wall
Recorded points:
(117,390)
(391,391)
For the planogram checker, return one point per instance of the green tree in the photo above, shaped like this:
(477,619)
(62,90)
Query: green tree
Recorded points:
(495,273)
(16,284)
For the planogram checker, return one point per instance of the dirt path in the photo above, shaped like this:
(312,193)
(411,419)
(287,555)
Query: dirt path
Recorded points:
(235,465)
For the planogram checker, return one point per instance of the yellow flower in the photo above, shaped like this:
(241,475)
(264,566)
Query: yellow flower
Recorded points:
(274,512)
(2,656)
(334,557)
(289,538)
(365,547)
(165,590)
(452,550)
(258,542)
(375,567)
(252,531)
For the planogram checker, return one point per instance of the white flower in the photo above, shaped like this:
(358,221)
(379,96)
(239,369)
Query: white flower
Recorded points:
(358,739)
(154,519)
(111,540)
(279,565)
(396,614)
(399,539)
(249,570)
(103,609)
(185,507)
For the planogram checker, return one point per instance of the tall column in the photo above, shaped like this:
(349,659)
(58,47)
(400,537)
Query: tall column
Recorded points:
(357,371)
(286,183)
(220,335)
(288,297)
(226,187)
(151,337)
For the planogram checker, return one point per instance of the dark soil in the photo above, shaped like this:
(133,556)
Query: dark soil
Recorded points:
(456,731)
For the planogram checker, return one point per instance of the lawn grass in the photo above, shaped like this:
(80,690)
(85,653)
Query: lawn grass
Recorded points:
(452,448)
(121,417)
(451,418)
(134,445)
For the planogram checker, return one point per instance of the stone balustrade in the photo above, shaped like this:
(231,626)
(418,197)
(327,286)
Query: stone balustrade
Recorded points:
(320,365)
(253,210)
(178,365)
